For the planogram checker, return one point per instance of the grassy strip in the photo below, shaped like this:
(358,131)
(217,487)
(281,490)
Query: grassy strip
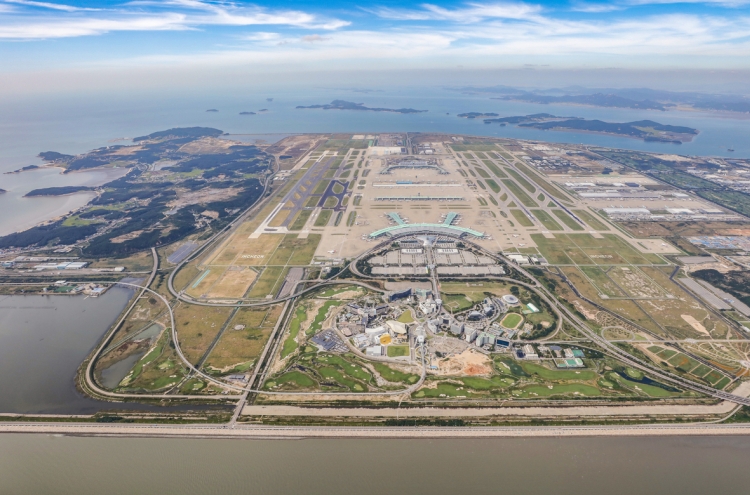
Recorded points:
(493,185)
(483,173)
(352,218)
(546,220)
(522,218)
(520,194)
(301,220)
(323,218)
(290,344)
(321,187)
(521,180)
(548,188)
(590,219)
(567,220)
(495,169)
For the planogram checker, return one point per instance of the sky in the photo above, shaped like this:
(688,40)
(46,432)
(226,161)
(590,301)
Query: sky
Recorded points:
(57,43)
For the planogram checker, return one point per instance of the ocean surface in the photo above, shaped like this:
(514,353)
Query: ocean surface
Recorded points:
(45,464)
(78,124)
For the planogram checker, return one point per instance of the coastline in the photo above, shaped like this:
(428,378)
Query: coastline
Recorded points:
(576,131)
(724,114)
(294,432)
(51,208)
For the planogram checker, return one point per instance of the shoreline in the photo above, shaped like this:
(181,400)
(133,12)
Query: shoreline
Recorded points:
(293,432)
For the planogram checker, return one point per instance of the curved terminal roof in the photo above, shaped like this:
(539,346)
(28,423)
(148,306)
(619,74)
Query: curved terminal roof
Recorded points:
(421,227)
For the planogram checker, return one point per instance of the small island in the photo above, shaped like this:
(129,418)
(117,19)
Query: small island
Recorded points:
(476,115)
(57,191)
(648,130)
(3,191)
(212,110)
(247,113)
(23,169)
(348,105)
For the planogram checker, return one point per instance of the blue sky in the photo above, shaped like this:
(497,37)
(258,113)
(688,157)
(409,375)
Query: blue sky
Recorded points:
(38,37)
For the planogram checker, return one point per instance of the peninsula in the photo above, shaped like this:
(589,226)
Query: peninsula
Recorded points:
(648,130)
(23,169)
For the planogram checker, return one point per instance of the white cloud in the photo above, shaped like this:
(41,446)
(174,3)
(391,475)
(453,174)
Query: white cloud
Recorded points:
(52,6)
(261,36)
(88,27)
(169,15)
(722,3)
(470,13)
(595,8)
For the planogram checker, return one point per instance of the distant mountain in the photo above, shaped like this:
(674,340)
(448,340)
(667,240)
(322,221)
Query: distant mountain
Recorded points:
(348,105)
(648,130)
(597,100)
(636,98)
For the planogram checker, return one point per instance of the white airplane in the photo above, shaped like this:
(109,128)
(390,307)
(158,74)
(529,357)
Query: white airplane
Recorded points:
(332,251)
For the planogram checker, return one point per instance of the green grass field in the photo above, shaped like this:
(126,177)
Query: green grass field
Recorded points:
(521,218)
(493,185)
(301,219)
(548,222)
(331,202)
(317,322)
(457,302)
(290,343)
(393,375)
(351,218)
(521,180)
(586,249)
(294,251)
(548,188)
(323,218)
(295,379)
(268,282)
(495,169)
(398,350)
(312,202)
(512,320)
(321,187)
(524,198)
(406,317)
(567,220)
(590,219)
